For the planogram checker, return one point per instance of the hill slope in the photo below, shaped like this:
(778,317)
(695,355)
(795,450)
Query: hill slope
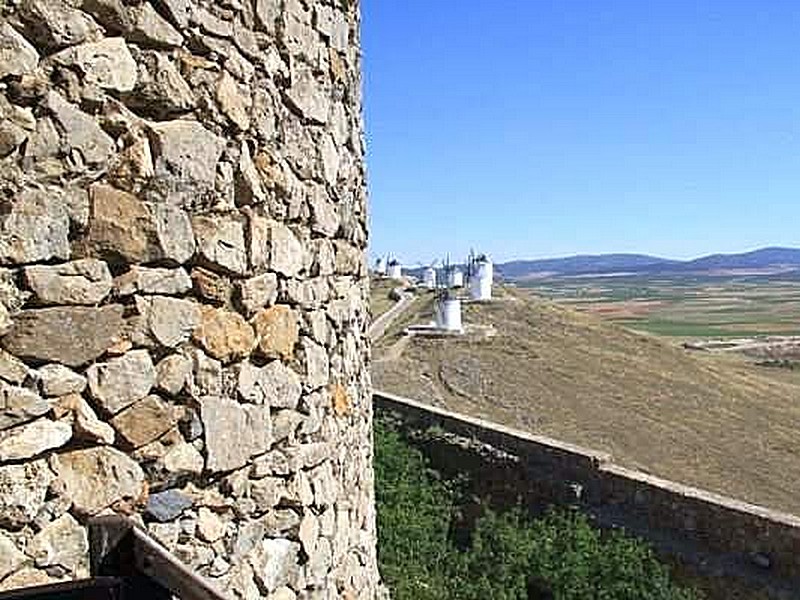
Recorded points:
(702,420)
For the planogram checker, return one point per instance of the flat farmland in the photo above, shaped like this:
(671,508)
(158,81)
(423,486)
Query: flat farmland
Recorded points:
(686,307)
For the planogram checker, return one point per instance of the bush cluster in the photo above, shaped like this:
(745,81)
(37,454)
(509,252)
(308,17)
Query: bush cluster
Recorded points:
(508,556)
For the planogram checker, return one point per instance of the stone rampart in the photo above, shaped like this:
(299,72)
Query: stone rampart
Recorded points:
(716,535)
(183,291)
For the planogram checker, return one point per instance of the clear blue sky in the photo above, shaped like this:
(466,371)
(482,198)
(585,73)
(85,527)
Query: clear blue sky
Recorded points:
(532,128)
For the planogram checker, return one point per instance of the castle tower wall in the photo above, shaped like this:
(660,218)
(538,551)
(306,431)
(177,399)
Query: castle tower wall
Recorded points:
(183,290)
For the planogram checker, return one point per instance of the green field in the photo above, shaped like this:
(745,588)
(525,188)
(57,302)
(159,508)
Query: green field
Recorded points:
(684,306)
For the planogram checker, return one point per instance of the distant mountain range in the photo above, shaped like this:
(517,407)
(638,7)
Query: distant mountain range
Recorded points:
(762,260)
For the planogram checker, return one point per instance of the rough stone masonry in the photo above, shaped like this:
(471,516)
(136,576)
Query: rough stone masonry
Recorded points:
(183,290)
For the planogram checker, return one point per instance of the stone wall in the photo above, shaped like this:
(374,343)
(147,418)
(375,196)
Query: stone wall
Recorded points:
(719,538)
(183,289)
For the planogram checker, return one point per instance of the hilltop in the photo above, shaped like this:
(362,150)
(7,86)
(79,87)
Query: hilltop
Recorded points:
(713,422)
(766,259)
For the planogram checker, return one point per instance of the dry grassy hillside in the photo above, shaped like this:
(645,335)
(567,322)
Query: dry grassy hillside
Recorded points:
(707,421)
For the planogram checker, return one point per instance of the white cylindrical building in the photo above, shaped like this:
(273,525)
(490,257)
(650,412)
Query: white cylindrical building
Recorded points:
(448,315)
(481,281)
(380,266)
(429,278)
(455,278)
(395,271)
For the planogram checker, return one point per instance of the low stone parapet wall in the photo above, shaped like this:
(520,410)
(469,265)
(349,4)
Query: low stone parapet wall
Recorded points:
(712,533)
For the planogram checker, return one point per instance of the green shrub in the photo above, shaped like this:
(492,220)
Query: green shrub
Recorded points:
(414,513)
(509,556)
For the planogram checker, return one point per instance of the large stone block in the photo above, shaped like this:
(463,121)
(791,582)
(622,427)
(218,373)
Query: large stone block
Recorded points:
(107,63)
(224,334)
(123,226)
(86,281)
(98,478)
(34,227)
(185,151)
(122,381)
(23,488)
(32,439)
(17,55)
(72,336)
(277,331)
(80,132)
(144,421)
(233,432)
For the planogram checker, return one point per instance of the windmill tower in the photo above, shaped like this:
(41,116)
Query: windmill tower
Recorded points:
(481,275)
(447,307)
(394,270)
(455,278)
(380,266)
(429,278)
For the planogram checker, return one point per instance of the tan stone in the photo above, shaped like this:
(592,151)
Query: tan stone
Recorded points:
(342,403)
(122,381)
(169,320)
(134,162)
(221,242)
(28,577)
(272,175)
(10,556)
(183,458)
(224,334)
(123,225)
(338,67)
(151,280)
(19,405)
(58,380)
(12,369)
(17,56)
(144,421)
(173,372)
(210,527)
(233,103)
(277,331)
(97,478)
(257,292)
(85,281)
(5,320)
(34,227)
(62,543)
(212,286)
(107,64)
